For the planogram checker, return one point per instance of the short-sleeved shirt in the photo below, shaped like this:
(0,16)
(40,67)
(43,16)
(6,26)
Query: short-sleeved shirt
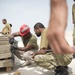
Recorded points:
(32,41)
(6,29)
(44,42)
(73,12)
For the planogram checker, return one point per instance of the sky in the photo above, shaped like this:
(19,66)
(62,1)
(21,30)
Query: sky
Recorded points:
(19,12)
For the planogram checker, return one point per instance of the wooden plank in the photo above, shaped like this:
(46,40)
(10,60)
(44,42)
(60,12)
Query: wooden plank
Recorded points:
(4,38)
(8,69)
(5,55)
(4,49)
(4,42)
(6,63)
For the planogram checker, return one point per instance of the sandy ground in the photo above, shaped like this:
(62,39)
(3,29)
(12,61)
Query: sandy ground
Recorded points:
(35,70)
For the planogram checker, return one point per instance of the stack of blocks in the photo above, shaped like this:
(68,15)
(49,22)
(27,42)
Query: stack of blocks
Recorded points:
(5,54)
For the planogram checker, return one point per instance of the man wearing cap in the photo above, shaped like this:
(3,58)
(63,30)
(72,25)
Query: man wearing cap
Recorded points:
(29,41)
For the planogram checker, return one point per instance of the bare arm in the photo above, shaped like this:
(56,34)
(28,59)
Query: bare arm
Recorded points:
(28,47)
(73,12)
(42,51)
(39,52)
(57,26)
(14,34)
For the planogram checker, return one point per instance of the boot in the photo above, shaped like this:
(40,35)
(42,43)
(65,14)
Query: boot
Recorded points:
(61,71)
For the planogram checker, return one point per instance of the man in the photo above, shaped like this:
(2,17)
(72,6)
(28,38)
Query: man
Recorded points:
(73,17)
(7,29)
(29,41)
(57,26)
(46,58)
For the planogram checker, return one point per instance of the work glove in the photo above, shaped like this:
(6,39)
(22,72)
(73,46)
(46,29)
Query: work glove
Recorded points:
(11,40)
(13,47)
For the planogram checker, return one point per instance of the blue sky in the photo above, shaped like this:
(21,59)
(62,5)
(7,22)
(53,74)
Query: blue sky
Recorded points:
(29,12)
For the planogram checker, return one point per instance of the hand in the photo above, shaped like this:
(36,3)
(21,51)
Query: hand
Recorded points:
(11,40)
(33,55)
(14,47)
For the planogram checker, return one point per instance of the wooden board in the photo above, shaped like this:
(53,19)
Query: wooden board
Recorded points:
(5,49)
(4,38)
(8,69)
(4,42)
(6,63)
(5,55)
